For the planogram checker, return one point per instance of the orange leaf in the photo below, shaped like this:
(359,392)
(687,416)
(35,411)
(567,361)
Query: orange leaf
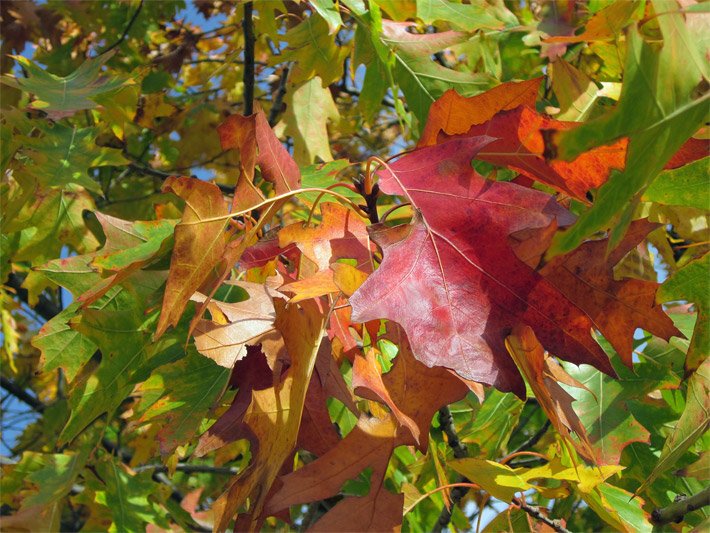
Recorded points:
(453,114)
(537,367)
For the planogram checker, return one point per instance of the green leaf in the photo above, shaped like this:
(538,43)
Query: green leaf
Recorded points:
(128,497)
(604,410)
(475,15)
(492,426)
(61,346)
(63,155)
(310,107)
(314,52)
(127,355)
(662,104)
(618,508)
(63,96)
(693,423)
(575,91)
(692,283)
(329,11)
(324,175)
(684,186)
(500,481)
(51,475)
(189,388)
(421,79)
(52,220)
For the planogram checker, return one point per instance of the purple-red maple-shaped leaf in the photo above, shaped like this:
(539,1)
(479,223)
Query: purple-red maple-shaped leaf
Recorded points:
(451,278)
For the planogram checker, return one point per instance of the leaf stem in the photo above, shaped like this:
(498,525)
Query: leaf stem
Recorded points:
(276,199)
(439,489)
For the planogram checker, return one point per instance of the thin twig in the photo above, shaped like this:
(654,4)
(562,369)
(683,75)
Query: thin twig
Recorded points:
(532,441)
(354,92)
(538,515)
(679,508)
(191,469)
(249,77)
(125,32)
(161,174)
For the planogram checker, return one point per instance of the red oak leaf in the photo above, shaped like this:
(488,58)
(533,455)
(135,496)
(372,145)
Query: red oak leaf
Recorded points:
(451,278)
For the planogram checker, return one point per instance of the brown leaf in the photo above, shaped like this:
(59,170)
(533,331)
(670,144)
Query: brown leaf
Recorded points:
(199,246)
(369,444)
(316,434)
(586,277)
(453,114)
(274,415)
(239,132)
(250,373)
(367,380)
(341,234)
(380,510)
(276,164)
(234,325)
(416,390)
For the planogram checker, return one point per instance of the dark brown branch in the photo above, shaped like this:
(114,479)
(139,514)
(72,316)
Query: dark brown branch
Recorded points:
(125,32)
(679,508)
(354,92)
(161,174)
(249,76)
(538,515)
(45,307)
(446,421)
(532,441)
(21,394)
(279,97)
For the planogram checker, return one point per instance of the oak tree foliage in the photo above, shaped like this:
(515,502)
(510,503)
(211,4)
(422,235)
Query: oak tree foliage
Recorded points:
(354,265)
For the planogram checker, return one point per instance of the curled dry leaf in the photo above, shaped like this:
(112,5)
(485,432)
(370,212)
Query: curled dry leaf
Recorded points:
(274,415)
(234,325)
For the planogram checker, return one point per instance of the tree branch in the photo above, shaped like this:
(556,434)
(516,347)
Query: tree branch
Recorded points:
(446,421)
(532,441)
(279,98)
(249,77)
(679,508)
(21,394)
(125,32)
(536,514)
(45,307)
(161,174)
